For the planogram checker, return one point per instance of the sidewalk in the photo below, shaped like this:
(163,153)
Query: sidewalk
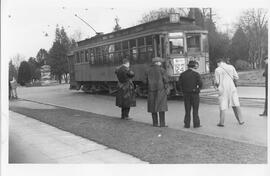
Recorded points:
(243,92)
(32,141)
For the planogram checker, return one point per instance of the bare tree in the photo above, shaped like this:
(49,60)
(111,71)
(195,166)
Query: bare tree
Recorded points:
(255,22)
(17,59)
(162,13)
(77,35)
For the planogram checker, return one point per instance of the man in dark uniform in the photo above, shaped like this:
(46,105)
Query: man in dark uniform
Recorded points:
(265,74)
(126,96)
(190,84)
(157,83)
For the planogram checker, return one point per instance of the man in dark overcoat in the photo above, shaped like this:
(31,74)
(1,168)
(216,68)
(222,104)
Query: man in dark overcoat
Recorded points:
(126,96)
(157,82)
(265,74)
(190,84)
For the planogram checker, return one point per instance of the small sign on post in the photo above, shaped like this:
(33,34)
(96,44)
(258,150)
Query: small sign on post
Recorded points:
(174,18)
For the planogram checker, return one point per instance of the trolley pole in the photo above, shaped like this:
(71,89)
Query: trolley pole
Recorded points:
(97,33)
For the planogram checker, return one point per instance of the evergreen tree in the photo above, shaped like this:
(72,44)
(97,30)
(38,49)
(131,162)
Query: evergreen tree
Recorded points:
(219,43)
(42,57)
(24,73)
(239,46)
(57,54)
(35,69)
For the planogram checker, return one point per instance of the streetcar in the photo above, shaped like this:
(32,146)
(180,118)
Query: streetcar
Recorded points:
(178,40)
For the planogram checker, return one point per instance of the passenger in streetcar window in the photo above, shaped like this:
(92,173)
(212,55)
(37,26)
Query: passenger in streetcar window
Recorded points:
(126,96)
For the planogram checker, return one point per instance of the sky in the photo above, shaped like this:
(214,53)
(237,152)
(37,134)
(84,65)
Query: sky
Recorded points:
(26,22)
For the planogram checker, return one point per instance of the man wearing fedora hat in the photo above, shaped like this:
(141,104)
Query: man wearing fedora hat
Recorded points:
(157,82)
(190,84)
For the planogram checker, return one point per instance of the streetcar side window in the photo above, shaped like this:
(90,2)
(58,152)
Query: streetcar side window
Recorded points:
(82,56)
(77,57)
(98,56)
(133,50)
(105,53)
(111,56)
(142,50)
(86,56)
(125,50)
(117,53)
(149,48)
(92,59)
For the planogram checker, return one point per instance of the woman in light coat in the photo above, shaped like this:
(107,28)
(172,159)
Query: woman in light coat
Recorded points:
(14,88)
(228,97)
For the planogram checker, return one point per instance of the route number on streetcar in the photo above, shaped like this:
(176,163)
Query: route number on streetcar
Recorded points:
(178,65)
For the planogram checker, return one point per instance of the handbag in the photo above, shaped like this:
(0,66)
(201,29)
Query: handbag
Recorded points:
(234,80)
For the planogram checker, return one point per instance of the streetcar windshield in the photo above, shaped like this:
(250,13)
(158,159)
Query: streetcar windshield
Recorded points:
(193,42)
(176,46)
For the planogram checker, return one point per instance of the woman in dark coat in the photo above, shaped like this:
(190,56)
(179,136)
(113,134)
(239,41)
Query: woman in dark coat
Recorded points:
(157,81)
(126,96)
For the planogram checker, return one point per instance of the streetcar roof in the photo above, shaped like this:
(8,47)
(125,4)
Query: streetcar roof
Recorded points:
(160,25)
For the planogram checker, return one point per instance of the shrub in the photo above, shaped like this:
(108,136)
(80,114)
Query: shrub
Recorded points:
(242,65)
(24,73)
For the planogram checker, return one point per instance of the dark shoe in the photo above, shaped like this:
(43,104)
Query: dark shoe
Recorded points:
(155,119)
(263,114)
(186,126)
(128,118)
(220,125)
(241,123)
(162,119)
(197,126)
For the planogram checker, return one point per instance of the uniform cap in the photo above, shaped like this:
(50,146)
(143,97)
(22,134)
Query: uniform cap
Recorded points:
(192,64)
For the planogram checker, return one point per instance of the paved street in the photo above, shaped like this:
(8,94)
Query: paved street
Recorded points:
(31,141)
(254,131)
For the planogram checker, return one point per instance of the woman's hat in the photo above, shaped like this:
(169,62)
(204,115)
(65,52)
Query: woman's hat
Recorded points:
(192,64)
(157,59)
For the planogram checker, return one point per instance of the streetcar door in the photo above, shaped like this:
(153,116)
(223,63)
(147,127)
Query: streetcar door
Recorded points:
(177,58)
(159,46)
